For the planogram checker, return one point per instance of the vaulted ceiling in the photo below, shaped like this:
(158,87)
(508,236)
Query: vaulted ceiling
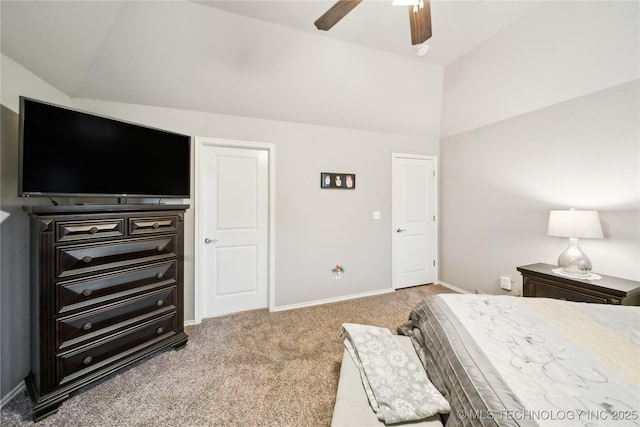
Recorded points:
(254,58)
(458,25)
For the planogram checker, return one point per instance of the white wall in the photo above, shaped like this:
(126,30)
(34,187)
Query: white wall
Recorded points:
(541,118)
(499,182)
(559,51)
(315,229)
(14,229)
(17,81)
(190,56)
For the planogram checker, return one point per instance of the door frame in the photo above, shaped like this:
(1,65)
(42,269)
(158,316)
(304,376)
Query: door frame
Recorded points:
(436,223)
(199,217)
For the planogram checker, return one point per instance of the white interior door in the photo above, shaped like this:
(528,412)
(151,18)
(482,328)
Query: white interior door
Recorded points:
(233,229)
(414,220)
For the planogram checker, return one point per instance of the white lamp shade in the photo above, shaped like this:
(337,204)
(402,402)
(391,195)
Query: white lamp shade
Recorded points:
(572,223)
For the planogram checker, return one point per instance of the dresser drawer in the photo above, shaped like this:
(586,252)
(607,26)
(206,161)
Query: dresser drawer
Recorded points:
(89,229)
(102,289)
(74,329)
(73,260)
(100,354)
(147,225)
(550,290)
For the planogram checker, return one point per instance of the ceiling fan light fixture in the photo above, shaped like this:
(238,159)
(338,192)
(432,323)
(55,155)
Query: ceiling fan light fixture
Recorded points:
(419,19)
(421,49)
(404,2)
(417,4)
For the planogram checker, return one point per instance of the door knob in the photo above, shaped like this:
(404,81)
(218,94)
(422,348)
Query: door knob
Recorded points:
(208,240)
(400,230)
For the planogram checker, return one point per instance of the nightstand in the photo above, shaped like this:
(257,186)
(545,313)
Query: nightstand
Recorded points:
(539,280)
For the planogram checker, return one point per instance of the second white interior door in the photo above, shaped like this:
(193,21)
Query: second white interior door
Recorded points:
(415,227)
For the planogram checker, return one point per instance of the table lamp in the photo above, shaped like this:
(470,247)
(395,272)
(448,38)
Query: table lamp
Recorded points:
(574,224)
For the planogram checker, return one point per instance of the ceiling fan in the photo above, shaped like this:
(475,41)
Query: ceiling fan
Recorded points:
(419,17)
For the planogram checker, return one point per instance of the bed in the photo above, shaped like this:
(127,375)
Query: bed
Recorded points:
(509,361)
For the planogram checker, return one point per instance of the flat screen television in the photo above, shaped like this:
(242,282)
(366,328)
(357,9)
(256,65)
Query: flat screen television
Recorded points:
(70,153)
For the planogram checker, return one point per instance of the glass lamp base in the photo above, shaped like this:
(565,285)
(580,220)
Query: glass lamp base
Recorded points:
(573,261)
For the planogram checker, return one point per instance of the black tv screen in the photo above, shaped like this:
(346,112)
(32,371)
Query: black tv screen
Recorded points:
(66,152)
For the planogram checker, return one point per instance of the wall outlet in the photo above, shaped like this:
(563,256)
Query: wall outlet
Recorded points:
(505,283)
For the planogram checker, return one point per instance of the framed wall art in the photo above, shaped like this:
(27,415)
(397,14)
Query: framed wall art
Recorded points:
(345,181)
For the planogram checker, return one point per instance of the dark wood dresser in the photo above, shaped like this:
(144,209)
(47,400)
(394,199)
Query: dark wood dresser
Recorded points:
(539,280)
(106,291)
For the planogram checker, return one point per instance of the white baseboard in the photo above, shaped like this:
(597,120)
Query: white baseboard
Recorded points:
(13,393)
(453,288)
(330,300)
(338,299)
(189,323)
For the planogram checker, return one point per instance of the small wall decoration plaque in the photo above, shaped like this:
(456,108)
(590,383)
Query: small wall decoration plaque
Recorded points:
(346,181)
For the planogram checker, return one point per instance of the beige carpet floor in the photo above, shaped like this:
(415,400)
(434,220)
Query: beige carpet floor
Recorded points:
(249,369)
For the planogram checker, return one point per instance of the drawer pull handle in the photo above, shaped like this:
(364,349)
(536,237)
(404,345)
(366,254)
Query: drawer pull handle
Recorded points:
(87,259)
(87,360)
(160,303)
(160,330)
(87,326)
(87,292)
(159,248)
(93,230)
(156,225)
(160,275)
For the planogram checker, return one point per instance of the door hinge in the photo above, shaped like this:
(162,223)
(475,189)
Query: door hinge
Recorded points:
(434,262)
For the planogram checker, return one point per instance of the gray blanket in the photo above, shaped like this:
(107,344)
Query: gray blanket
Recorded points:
(398,388)
(508,361)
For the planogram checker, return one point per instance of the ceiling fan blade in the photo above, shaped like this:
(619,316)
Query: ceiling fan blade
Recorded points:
(420,22)
(335,14)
